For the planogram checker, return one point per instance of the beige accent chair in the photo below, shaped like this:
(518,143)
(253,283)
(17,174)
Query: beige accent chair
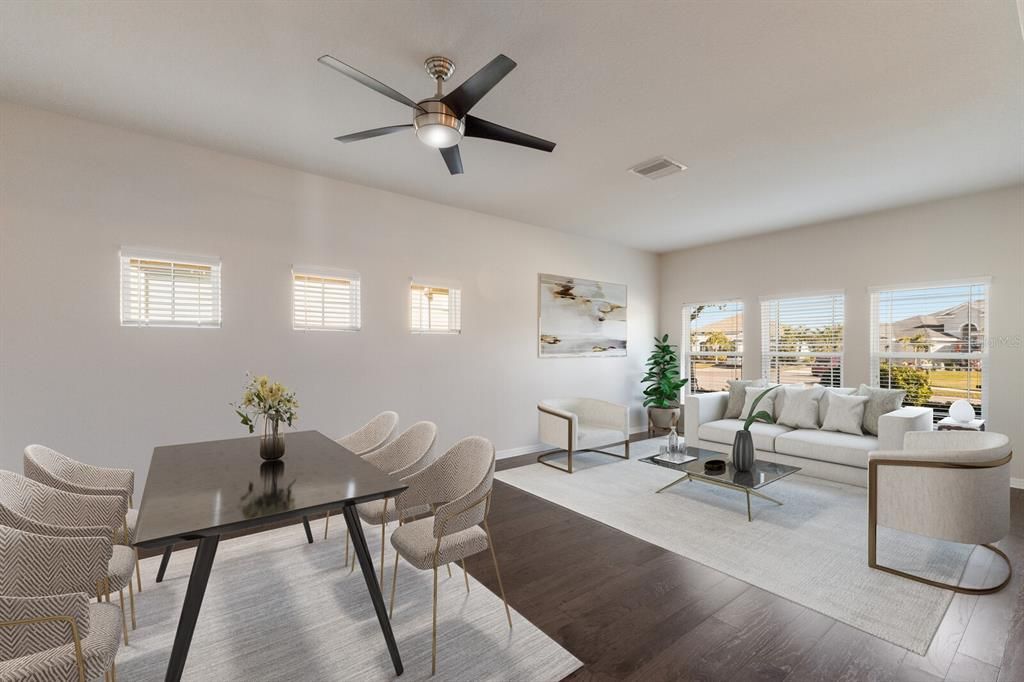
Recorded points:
(51,468)
(36,508)
(371,435)
(950,485)
(48,629)
(581,424)
(458,487)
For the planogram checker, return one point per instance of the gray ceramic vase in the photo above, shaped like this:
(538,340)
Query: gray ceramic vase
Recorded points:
(743,451)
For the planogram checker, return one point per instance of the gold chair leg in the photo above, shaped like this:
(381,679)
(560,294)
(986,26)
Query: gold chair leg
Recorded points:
(124,619)
(327,524)
(383,538)
(394,584)
(138,570)
(131,601)
(346,544)
(433,635)
(113,670)
(465,574)
(497,573)
(106,676)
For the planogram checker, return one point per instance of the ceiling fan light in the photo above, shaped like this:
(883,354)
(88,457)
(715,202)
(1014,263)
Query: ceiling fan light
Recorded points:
(438,135)
(437,125)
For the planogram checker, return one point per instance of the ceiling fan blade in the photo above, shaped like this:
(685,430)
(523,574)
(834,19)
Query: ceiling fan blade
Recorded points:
(376,132)
(478,127)
(369,81)
(462,98)
(453,159)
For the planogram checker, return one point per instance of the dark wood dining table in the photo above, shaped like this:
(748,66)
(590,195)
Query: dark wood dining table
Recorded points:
(201,491)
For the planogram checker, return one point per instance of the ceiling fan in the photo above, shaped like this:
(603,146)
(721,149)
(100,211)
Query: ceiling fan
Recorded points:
(441,121)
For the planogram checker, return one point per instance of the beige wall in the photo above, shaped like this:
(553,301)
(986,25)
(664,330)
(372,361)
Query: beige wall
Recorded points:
(978,234)
(73,192)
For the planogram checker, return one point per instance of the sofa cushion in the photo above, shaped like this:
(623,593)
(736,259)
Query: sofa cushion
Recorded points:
(800,406)
(738,395)
(880,401)
(765,404)
(823,403)
(846,414)
(724,431)
(827,446)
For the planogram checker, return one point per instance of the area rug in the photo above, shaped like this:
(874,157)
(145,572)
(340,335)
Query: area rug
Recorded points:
(277,608)
(812,550)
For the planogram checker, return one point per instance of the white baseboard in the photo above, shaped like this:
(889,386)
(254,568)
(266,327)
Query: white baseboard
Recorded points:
(541,447)
(522,450)
(1017,483)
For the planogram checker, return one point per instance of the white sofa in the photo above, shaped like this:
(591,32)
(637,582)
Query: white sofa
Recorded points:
(832,455)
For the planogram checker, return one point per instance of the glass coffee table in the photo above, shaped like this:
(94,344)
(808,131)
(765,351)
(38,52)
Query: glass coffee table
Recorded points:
(749,482)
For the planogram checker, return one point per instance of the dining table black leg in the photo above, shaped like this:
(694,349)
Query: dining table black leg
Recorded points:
(190,609)
(309,533)
(163,563)
(355,530)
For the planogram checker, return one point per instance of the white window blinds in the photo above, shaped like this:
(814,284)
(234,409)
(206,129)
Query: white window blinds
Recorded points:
(712,345)
(932,341)
(325,299)
(162,290)
(435,309)
(802,339)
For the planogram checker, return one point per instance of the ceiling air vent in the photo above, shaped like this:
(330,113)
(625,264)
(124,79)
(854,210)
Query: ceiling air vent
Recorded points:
(657,168)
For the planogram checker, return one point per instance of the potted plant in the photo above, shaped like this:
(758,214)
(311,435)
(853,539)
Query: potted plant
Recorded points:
(663,383)
(743,443)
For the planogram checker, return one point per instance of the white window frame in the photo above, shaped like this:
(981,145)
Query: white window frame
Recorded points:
(686,337)
(133,311)
(767,354)
(877,354)
(453,325)
(351,277)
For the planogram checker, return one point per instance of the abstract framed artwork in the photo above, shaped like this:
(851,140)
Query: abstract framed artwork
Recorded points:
(580,318)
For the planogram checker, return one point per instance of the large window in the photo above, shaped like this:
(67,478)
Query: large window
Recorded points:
(325,299)
(163,290)
(802,339)
(712,345)
(931,341)
(435,308)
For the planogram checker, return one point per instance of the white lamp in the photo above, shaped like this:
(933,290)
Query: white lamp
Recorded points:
(962,411)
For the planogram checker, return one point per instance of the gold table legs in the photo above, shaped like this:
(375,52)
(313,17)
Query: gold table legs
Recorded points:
(723,484)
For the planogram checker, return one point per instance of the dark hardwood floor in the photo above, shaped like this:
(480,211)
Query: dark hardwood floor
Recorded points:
(631,610)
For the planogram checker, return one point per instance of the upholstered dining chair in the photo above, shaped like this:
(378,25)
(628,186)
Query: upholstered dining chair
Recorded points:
(50,467)
(48,629)
(371,435)
(404,455)
(581,424)
(950,485)
(458,487)
(32,507)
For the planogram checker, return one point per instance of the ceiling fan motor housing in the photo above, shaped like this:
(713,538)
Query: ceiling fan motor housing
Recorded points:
(437,125)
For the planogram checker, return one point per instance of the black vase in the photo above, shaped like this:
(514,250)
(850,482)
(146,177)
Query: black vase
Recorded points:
(743,451)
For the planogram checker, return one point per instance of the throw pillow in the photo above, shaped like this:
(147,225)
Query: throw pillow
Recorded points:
(737,396)
(880,401)
(829,392)
(800,408)
(845,413)
(765,405)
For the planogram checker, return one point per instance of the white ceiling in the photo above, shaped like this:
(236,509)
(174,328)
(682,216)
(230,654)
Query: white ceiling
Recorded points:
(786,112)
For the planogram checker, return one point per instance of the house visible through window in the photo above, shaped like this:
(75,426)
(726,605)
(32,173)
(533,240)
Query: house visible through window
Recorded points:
(712,345)
(161,290)
(802,339)
(931,341)
(324,299)
(435,308)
